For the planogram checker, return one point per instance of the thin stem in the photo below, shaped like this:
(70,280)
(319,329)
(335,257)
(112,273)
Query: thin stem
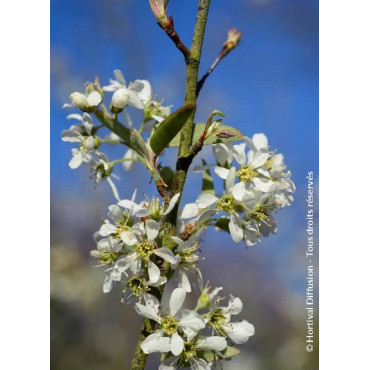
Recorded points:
(169,28)
(184,157)
(114,162)
(110,141)
(231,43)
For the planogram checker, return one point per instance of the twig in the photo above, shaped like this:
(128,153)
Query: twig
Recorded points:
(231,43)
(168,27)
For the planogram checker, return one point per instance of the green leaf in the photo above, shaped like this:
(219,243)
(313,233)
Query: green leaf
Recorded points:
(211,356)
(169,128)
(167,175)
(207,185)
(230,351)
(223,224)
(223,134)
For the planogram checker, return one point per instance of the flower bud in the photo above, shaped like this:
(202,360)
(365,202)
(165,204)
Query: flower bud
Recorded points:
(233,39)
(159,9)
(119,100)
(79,100)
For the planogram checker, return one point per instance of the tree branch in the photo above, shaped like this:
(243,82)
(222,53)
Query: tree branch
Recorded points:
(174,36)
(185,157)
(231,43)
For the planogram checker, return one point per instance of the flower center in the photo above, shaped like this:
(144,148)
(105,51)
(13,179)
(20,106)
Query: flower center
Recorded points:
(259,214)
(245,174)
(169,325)
(144,250)
(107,258)
(189,350)
(216,320)
(227,203)
(189,256)
(137,286)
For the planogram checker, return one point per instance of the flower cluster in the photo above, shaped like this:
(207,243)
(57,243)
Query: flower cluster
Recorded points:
(141,250)
(180,335)
(253,190)
(137,94)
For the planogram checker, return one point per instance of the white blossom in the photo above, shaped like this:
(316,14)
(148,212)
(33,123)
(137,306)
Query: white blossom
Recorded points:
(214,343)
(219,318)
(84,102)
(136,94)
(179,322)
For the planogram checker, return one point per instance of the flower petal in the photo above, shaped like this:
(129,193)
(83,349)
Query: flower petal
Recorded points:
(151,301)
(205,200)
(215,343)
(235,305)
(263,184)
(94,98)
(191,320)
(259,159)
(76,160)
(190,210)
(148,312)
(156,343)
(119,77)
(151,229)
(239,191)
(235,229)
(177,300)
(153,271)
(177,344)
(222,172)
(239,332)
(230,180)
(260,141)
(167,255)
(172,204)
(239,153)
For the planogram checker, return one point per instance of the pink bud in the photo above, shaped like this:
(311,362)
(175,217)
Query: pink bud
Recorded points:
(159,9)
(233,39)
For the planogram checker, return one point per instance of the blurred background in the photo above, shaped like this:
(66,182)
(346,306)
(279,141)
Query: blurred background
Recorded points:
(268,84)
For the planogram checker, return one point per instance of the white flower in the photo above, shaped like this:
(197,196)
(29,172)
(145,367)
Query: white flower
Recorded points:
(136,95)
(252,170)
(120,98)
(102,169)
(179,321)
(223,153)
(190,356)
(186,261)
(153,209)
(81,134)
(219,319)
(142,253)
(228,202)
(84,102)
(258,142)
(259,209)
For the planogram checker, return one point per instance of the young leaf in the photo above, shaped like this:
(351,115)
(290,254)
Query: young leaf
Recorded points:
(223,224)
(170,127)
(211,356)
(207,185)
(167,175)
(223,134)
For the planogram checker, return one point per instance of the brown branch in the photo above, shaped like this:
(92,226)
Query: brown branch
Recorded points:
(168,27)
(231,43)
